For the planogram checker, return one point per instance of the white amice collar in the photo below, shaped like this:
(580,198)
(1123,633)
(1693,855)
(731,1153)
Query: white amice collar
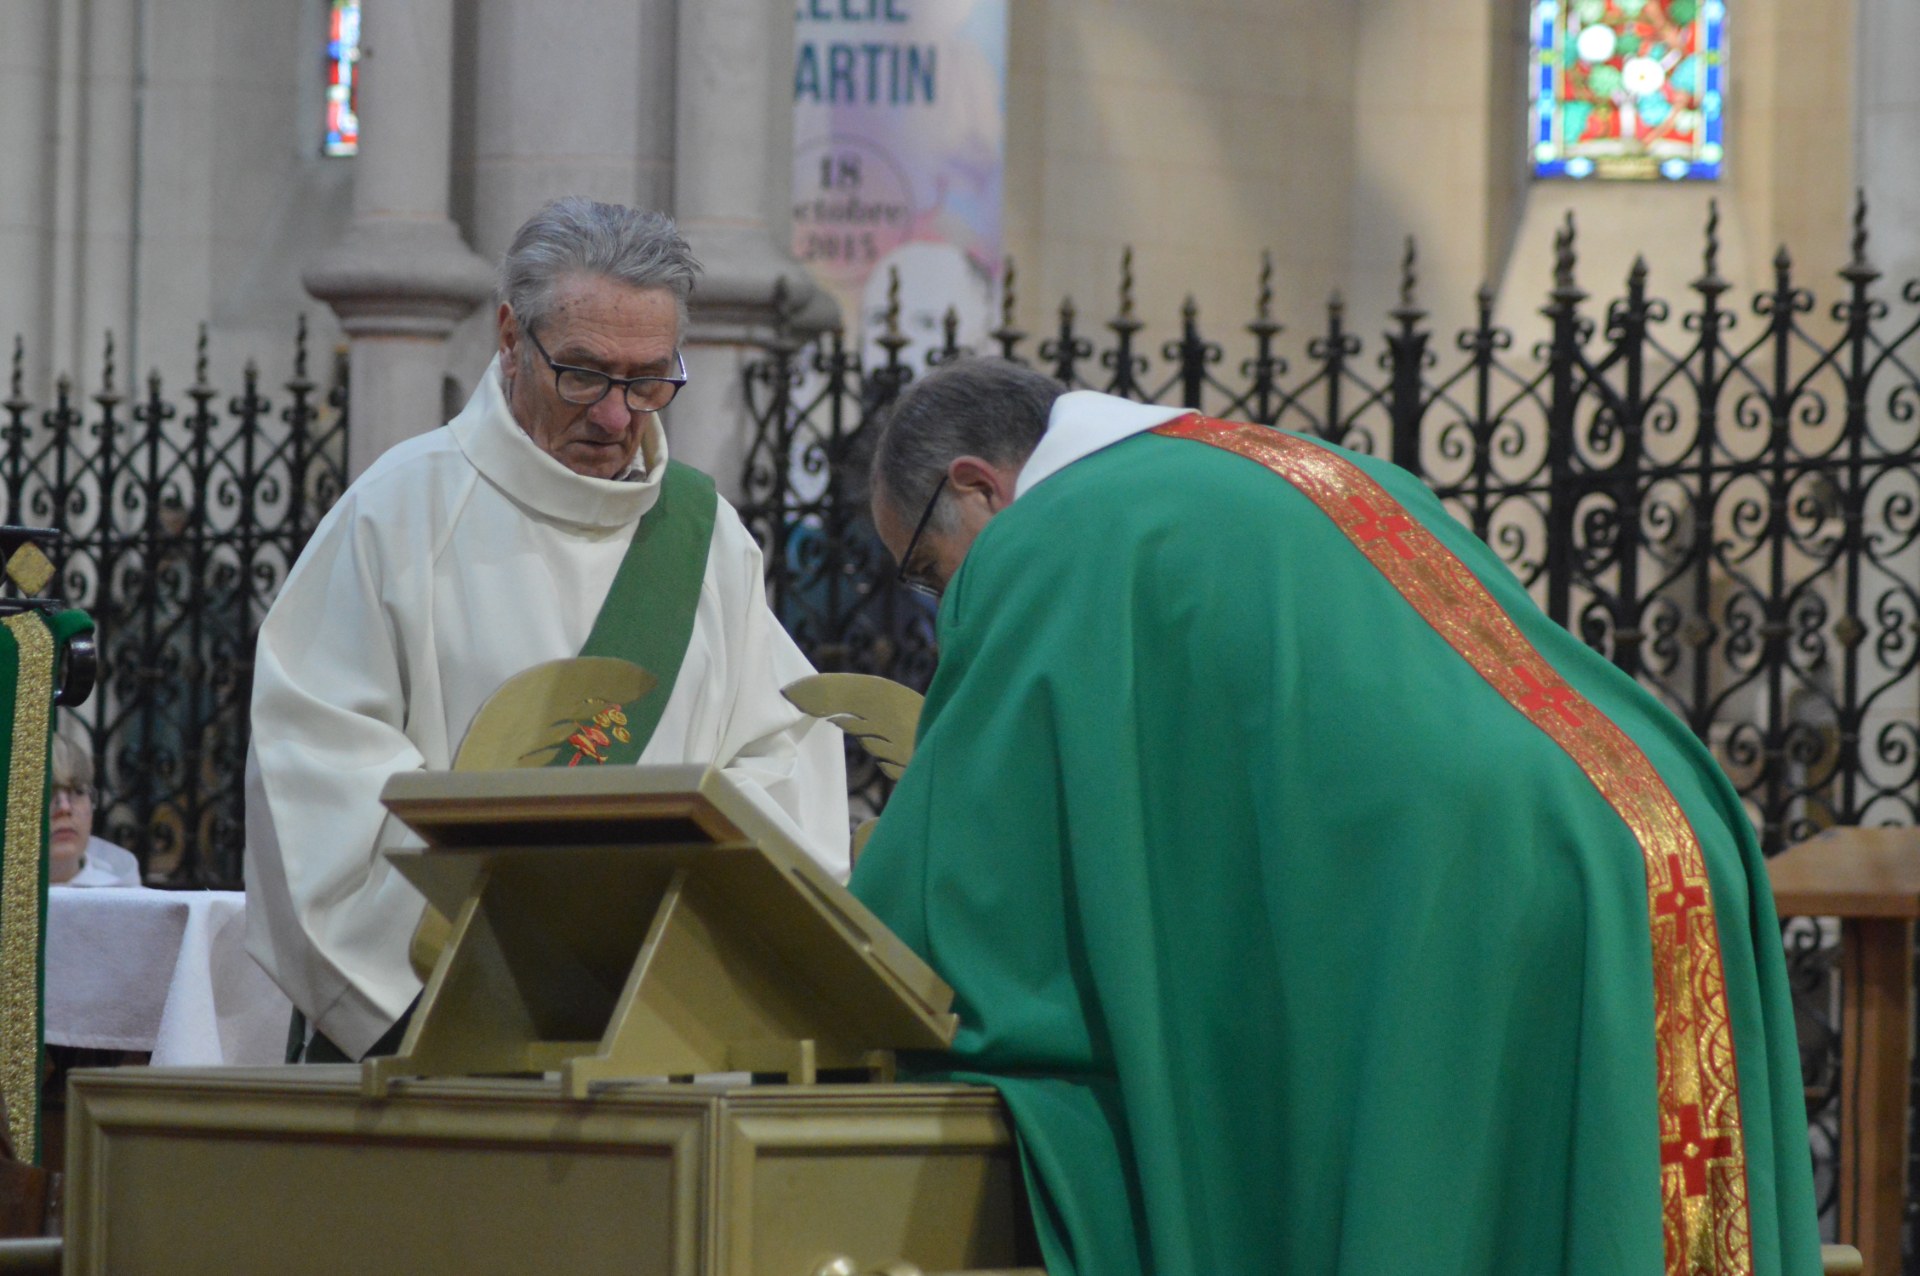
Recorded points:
(1083,422)
(489,436)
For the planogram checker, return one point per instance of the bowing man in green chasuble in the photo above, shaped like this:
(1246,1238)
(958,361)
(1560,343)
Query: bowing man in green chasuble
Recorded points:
(1317,904)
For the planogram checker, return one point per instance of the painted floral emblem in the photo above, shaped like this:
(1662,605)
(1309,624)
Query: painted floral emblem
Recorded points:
(597,736)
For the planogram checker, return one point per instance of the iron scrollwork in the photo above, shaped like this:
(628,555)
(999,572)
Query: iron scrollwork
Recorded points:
(178,523)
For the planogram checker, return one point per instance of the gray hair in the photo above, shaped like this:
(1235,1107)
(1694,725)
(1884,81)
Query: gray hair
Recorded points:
(989,408)
(581,236)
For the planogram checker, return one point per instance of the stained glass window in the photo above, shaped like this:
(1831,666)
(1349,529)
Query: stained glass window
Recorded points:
(1628,89)
(343,62)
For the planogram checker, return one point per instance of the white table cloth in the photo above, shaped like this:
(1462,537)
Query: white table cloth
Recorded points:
(130,968)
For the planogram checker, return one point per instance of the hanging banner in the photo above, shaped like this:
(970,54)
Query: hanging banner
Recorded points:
(899,142)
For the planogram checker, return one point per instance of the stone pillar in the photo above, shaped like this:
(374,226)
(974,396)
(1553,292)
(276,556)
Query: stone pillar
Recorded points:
(1887,168)
(93,149)
(29,104)
(1887,106)
(609,136)
(732,184)
(401,277)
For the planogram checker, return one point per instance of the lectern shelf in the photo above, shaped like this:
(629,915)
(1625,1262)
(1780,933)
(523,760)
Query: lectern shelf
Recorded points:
(621,922)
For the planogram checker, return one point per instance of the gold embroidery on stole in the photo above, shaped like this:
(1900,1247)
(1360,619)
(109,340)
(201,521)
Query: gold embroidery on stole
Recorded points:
(20,884)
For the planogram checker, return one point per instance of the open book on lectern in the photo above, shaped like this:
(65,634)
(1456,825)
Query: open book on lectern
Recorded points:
(620,922)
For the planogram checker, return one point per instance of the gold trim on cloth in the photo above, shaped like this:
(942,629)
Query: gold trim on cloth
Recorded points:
(1703,1179)
(20,881)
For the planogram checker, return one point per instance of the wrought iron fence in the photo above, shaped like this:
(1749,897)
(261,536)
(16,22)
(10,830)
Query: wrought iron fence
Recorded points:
(1723,500)
(179,520)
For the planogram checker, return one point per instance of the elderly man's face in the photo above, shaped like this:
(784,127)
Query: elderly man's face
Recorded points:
(595,323)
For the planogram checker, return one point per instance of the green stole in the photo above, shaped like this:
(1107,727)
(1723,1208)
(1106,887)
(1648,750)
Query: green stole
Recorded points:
(647,617)
(31,644)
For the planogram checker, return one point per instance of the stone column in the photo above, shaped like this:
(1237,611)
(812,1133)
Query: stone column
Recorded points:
(29,105)
(1887,168)
(609,136)
(732,183)
(401,277)
(1887,114)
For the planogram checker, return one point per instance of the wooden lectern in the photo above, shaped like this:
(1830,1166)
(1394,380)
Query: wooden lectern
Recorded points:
(1869,878)
(612,929)
(642,922)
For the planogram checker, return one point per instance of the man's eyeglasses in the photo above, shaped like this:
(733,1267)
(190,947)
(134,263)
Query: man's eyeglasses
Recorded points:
(584,387)
(71,795)
(919,584)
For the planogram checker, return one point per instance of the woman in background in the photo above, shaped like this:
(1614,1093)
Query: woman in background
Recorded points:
(75,857)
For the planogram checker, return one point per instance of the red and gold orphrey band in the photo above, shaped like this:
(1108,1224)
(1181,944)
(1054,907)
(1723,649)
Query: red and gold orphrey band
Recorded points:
(1703,1180)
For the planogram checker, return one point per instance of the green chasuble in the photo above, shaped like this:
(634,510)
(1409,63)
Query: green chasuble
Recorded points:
(1294,945)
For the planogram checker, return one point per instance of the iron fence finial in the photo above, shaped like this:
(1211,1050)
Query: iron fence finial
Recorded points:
(299,347)
(1564,256)
(1126,282)
(783,313)
(200,358)
(1008,336)
(1264,306)
(1860,225)
(892,340)
(1408,313)
(1859,271)
(106,369)
(1710,282)
(19,364)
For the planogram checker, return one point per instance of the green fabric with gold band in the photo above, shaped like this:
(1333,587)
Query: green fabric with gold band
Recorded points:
(1292,945)
(30,647)
(647,617)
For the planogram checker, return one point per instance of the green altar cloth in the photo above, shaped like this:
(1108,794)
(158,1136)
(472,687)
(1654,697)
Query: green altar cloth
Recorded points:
(1292,946)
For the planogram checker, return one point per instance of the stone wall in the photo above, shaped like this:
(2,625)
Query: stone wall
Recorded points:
(1201,134)
(162,168)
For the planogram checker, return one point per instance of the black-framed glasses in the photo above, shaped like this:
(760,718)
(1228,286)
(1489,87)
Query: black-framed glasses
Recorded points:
(71,794)
(584,387)
(917,584)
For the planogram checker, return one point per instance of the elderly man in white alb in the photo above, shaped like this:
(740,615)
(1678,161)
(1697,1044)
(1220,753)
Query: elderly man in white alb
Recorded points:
(544,521)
